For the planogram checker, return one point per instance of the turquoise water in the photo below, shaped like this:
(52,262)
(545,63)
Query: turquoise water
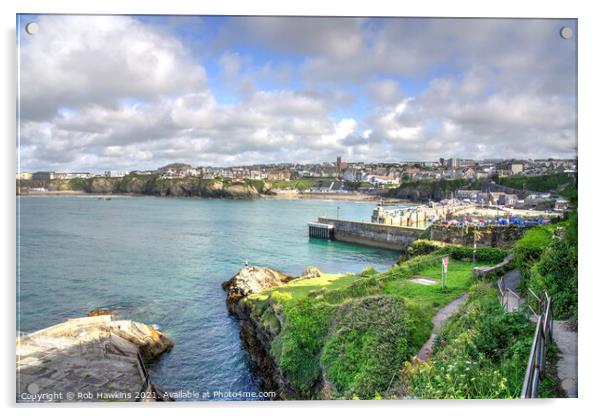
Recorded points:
(162,261)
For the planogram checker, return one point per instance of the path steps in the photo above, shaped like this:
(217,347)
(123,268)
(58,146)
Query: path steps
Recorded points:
(438,320)
(511,280)
(563,336)
(565,339)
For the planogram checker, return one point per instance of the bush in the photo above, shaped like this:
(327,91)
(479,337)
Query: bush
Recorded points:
(491,255)
(532,244)
(297,348)
(368,272)
(481,352)
(423,247)
(369,340)
(547,257)
(529,248)
(357,345)
(556,273)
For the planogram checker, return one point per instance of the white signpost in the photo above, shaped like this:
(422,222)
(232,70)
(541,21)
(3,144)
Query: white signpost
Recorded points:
(444,263)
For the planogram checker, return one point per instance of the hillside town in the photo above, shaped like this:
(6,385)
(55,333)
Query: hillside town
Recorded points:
(377,174)
(482,179)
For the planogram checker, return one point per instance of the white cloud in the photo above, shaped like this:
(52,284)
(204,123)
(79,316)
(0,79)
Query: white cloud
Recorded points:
(76,61)
(100,92)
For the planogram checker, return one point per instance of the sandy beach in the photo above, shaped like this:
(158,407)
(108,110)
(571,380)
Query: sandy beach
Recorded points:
(355,196)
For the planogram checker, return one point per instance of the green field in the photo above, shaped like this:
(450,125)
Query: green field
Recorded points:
(298,289)
(459,278)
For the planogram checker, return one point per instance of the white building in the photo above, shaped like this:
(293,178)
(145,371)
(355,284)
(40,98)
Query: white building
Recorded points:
(115,174)
(23,176)
(382,180)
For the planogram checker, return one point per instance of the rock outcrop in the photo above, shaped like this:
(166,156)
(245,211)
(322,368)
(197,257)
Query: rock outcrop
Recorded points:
(252,279)
(257,335)
(88,359)
(310,272)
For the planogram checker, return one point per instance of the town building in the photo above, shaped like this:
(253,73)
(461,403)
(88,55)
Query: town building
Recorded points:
(115,173)
(23,176)
(279,175)
(43,175)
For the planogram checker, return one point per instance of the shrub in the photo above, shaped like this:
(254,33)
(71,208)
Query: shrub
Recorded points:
(528,249)
(532,244)
(367,344)
(484,354)
(556,273)
(491,255)
(297,348)
(361,287)
(368,272)
(423,247)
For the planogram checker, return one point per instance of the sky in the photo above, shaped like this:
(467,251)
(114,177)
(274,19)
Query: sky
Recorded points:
(137,92)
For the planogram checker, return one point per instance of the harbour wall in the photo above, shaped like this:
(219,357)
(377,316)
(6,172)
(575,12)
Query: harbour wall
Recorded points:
(488,236)
(375,235)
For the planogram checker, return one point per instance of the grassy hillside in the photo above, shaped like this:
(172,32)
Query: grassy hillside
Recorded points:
(547,257)
(301,184)
(346,336)
(556,182)
(481,352)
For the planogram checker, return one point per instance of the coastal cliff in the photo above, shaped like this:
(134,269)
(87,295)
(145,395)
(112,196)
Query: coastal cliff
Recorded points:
(96,358)
(324,336)
(257,335)
(151,185)
(427,190)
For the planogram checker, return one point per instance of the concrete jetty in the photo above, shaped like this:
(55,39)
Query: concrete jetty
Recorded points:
(392,237)
(89,359)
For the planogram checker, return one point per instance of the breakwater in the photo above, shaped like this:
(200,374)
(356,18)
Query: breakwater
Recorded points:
(390,237)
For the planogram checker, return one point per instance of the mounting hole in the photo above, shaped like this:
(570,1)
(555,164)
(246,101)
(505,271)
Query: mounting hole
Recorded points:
(32,28)
(566,32)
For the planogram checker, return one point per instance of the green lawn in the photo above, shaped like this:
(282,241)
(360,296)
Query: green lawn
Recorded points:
(458,280)
(355,330)
(301,288)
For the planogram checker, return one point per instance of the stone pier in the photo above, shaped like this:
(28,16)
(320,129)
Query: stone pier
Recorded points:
(391,237)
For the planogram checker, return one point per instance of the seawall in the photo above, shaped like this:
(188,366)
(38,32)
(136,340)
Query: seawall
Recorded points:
(390,237)
(489,236)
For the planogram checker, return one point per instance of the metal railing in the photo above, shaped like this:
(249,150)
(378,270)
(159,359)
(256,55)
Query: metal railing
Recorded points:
(505,294)
(537,359)
(149,390)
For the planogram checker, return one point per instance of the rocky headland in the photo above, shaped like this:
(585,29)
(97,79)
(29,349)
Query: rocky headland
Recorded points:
(152,185)
(96,358)
(258,331)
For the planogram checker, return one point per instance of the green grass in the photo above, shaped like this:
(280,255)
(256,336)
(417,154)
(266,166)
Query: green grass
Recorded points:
(541,183)
(301,184)
(298,289)
(458,280)
(484,354)
(355,330)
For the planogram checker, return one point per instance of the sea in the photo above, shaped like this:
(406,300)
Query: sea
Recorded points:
(162,261)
